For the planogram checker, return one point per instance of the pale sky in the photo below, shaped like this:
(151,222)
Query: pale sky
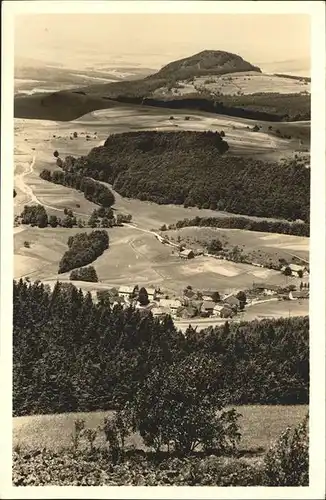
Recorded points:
(78,40)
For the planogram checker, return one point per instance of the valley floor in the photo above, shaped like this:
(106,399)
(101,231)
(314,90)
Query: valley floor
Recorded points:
(135,255)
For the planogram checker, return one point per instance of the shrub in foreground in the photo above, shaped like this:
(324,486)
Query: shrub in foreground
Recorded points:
(181,407)
(83,468)
(287,461)
(285,464)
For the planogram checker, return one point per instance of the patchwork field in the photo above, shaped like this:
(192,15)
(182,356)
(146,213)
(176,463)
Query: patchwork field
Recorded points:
(134,256)
(29,79)
(245,83)
(261,247)
(260,426)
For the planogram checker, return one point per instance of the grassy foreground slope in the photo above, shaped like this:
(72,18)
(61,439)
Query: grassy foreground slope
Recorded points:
(259,426)
(71,355)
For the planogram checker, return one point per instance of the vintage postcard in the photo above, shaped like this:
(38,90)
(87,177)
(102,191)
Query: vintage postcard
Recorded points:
(163,249)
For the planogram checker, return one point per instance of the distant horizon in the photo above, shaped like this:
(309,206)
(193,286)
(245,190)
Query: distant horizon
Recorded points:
(300,67)
(151,40)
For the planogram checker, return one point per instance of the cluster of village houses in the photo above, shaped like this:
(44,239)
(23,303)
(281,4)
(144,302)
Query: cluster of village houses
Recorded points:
(191,304)
(206,303)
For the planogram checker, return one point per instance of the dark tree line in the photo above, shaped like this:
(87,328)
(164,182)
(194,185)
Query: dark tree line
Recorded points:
(93,191)
(272,107)
(70,354)
(35,215)
(84,248)
(187,168)
(84,274)
(266,226)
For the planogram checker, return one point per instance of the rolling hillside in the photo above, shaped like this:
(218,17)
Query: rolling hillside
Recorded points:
(213,62)
(258,97)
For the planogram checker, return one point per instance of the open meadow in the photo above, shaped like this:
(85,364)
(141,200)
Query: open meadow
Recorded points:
(260,426)
(134,257)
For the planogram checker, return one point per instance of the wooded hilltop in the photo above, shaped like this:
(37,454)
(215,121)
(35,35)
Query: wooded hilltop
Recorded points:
(192,169)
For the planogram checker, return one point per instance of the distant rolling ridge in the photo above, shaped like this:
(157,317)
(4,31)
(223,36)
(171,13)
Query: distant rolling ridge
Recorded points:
(70,104)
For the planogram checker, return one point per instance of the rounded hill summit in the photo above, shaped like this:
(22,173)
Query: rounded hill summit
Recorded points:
(213,62)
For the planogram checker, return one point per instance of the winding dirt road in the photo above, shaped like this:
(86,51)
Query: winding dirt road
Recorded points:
(26,189)
(21,184)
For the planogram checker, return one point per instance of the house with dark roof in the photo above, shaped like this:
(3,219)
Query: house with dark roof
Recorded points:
(186,254)
(187,312)
(232,301)
(189,294)
(209,293)
(207,306)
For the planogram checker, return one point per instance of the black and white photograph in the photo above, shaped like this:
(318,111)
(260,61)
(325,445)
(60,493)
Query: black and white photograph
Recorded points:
(160,316)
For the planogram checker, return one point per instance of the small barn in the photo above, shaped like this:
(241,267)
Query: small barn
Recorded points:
(208,298)
(186,254)
(118,301)
(159,312)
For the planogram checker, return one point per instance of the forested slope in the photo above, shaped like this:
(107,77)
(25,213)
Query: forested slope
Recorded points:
(196,169)
(72,355)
